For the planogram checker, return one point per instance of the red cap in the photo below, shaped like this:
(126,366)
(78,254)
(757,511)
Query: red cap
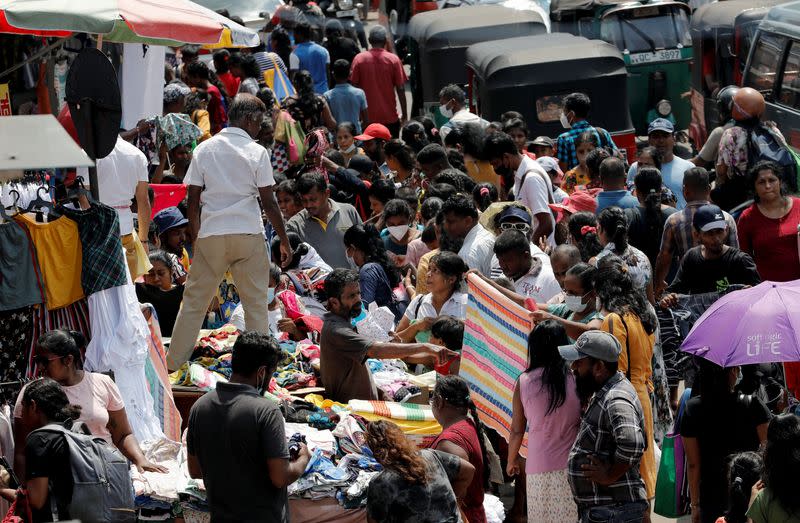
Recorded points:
(576,202)
(375,130)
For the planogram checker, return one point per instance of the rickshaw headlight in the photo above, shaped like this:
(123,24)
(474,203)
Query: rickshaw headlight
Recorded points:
(664,107)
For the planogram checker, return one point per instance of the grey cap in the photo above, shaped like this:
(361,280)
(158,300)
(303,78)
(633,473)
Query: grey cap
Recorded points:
(596,344)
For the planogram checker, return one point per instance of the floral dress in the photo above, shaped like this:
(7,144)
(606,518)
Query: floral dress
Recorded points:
(733,147)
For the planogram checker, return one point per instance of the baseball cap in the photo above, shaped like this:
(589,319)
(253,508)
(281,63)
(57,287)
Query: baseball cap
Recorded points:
(515,212)
(576,202)
(544,141)
(661,124)
(169,218)
(375,130)
(550,164)
(361,163)
(595,344)
(708,218)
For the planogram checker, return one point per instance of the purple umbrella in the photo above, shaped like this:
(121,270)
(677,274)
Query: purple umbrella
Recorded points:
(755,325)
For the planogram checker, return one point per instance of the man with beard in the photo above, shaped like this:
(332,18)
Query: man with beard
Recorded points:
(372,140)
(603,464)
(344,352)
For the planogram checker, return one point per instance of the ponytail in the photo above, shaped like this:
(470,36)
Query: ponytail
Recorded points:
(615,225)
(51,400)
(484,195)
(63,343)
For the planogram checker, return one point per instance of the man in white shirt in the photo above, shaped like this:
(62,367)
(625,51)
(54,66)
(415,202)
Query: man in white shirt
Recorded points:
(532,185)
(461,224)
(452,102)
(531,277)
(228,174)
(121,177)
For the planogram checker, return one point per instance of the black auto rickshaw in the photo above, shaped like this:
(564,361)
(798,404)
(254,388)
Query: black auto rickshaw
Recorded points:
(439,39)
(533,74)
(722,34)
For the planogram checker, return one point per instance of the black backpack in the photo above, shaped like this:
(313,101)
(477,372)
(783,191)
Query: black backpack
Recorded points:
(764,144)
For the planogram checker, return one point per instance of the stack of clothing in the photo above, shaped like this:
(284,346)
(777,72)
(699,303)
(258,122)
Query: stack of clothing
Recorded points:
(392,377)
(157,494)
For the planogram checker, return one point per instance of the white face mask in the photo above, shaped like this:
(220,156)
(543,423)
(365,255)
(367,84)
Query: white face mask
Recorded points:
(351,262)
(446,111)
(398,232)
(738,377)
(565,121)
(575,303)
(349,149)
(270,294)
(597,305)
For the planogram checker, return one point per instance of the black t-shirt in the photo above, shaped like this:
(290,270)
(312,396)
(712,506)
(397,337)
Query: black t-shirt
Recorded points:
(698,275)
(343,48)
(47,456)
(166,303)
(722,429)
(640,234)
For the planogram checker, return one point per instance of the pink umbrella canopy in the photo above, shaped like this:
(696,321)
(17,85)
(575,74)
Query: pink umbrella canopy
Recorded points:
(756,325)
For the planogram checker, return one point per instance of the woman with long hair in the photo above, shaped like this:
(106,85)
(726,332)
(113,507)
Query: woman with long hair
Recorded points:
(646,222)
(377,274)
(583,234)
(484,195)
(546,401)
(777,499)
(463,436)
(744,472)
(717,423)
(628,317)
(612,232)
(415,486)
(280,42)
(414,135)
(308,107)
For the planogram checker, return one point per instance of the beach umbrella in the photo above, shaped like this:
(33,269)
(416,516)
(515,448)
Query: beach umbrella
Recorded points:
(756,325)
(153,22)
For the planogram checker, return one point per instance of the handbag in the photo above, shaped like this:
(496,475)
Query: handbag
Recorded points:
(672,483)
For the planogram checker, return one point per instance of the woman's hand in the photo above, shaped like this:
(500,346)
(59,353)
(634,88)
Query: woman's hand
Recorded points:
(512,467)
(758,487)
(424,324)
(538,316)
(668,301)
(147,466)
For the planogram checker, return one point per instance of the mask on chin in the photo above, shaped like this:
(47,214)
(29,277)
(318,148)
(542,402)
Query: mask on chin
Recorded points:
(565,121)
(446,111)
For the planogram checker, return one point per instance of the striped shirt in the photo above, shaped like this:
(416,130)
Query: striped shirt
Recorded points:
(565,148)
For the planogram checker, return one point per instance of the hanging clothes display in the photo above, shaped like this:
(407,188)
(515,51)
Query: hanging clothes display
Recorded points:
(15,342)
(58,249)
(20,277)
(73,317)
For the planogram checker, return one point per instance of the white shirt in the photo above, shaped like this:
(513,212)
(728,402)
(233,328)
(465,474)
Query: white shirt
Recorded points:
(535,193)
(478,249)
(118,174)
(461,117)
(536,254)
(421,307)
(540,283)
(231,166)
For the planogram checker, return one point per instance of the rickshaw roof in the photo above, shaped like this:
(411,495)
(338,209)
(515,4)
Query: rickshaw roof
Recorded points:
(458,22)
(785,16)
(724,14)
(552,58)
(586,5)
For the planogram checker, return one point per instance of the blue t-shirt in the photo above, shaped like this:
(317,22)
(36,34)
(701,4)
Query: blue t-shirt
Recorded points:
(671,176)
(621,198)
(314,58)
(346,103)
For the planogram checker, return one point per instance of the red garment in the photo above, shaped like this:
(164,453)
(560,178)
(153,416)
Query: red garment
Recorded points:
(771,242)
(465,436)
(216,110)
(167,195)
(230,82)
(378,72)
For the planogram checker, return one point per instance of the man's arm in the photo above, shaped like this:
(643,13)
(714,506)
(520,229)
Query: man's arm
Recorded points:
(389,350)
(195,472)
(401,95)
(193,211)
(544,227)
(273,212)
(663,261)
(283,472)
(143,211)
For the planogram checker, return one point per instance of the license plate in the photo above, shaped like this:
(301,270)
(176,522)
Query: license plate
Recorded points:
(663,55)
(349,12)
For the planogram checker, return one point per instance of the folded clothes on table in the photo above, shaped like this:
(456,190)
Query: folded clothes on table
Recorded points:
(393,410)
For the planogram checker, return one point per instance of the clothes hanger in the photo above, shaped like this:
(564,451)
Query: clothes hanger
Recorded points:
(77,190)
(38,204)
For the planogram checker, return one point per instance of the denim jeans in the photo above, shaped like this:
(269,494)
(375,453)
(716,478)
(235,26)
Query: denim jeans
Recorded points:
(621,513)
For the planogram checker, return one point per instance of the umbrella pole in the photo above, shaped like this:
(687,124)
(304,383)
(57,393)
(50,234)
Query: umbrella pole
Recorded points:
(94,187)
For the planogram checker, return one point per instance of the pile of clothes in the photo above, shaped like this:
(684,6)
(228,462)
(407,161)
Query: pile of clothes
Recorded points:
(392,377)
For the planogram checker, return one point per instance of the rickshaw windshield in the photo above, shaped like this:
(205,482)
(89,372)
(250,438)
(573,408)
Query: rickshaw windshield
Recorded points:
(647,29)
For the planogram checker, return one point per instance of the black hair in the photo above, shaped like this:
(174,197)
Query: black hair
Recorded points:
(587,137)
(441,191)
(414,135)
(350,127)
(714,386)
(200,70)
(221,58)
(456,159)
(453,92)
(515,123)
(309,181)
(430,128)
(460,205)
(430,207)
(303,30)
(782,461)
(615,289)
(190,50)
(338,280)
(152,232)
(497,144)
(511,240)
(510,115)
(336,156)
(470,136)
(429,232)
(697,179)
(744,471)
(51,400)
(341,69)
(433,154)
(450,330)
(247,63)
(454,390)
(304,85)
(585,274)
(593,161)
(612,169)
(281,43)
(289,187)
(63,343)
(194,99)
(367,239)
(484,195)
(382,190)
(543,354)
(299,249)
(654,153)
(267,96)
(162,257)
(458,179)
(761,166)
(408,195)
(400,152)
(254,349)
(275,272)
(615,226)
(397,207)
(587,243)
(450,264)
(578,103)
(648,184)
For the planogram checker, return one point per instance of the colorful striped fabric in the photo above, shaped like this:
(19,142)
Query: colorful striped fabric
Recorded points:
(393,410)
(495,353)
(158,380)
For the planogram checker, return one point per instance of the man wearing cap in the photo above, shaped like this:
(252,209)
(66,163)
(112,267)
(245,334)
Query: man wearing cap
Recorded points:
(574,117)
(551,167)
(372,140)
(661,135)
(542,146)
(603,465)
(711,266)
(381,75)
(452,102)
(172,226)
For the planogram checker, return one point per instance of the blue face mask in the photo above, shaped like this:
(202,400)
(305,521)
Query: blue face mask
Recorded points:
(270,294)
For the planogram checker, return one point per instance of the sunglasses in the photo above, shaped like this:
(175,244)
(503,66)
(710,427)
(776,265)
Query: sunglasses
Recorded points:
(44,362)
(524,227)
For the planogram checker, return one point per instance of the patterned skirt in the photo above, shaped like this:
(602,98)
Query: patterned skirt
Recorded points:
(550,498)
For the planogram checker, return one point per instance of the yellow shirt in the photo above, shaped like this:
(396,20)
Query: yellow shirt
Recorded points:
(422,271)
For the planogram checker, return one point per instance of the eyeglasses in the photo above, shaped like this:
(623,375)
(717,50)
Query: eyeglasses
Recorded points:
(507,226)
(43,362)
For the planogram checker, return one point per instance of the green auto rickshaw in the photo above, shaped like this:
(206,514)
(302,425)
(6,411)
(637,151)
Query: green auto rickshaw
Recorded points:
(654,39)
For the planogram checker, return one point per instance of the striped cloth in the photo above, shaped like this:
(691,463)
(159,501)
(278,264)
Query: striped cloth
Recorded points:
(393,410)
(495,353)
(158,384)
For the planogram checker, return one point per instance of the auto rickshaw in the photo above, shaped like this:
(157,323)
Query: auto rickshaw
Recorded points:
(533,74)
(722,34)
(438,41)
(653,37)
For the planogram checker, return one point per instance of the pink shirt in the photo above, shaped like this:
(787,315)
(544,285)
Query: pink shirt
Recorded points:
(378,72)
(416,248)
(550,437)
(97,394)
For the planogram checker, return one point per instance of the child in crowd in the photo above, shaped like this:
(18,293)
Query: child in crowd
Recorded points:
(448,332)
(159,290)
(288,199)
(345,141)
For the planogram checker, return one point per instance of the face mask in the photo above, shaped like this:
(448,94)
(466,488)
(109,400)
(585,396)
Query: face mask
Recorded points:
(597,305)
(351,262)
(270,294)
(575,303)
(446,112)
(262,384)
(349,149)
(565,121)
(738,377)
(398,232)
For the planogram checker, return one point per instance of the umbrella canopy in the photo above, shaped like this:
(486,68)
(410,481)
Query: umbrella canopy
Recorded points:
(755,325)
(154,22)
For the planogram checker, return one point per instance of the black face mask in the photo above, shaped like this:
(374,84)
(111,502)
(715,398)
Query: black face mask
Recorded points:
(585,386)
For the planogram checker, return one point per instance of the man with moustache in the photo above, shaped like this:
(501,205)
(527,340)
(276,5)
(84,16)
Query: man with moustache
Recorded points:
(603,464)
(344,352)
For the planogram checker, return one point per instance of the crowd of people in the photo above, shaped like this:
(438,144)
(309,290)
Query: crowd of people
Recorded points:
(371,207)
